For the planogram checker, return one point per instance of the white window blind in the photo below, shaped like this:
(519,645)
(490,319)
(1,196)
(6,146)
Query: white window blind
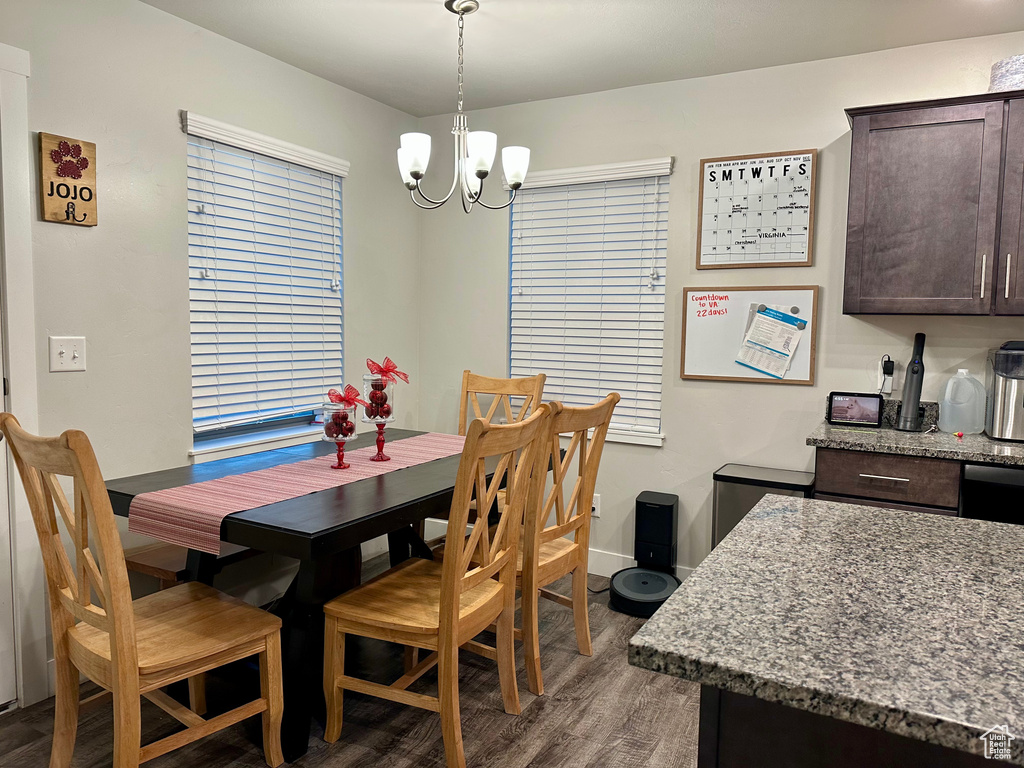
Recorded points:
(587,304)
(265,298)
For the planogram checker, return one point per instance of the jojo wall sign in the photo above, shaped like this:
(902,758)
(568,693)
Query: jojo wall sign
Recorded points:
(68,180)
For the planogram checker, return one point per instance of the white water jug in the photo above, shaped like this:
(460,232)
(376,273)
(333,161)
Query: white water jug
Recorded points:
(962,408)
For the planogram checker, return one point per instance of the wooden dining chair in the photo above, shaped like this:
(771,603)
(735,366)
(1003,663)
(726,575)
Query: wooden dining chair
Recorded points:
(441,607)
(546,555)
(498,393)
(130,649)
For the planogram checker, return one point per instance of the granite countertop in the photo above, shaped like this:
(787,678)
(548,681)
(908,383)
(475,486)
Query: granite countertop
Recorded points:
(907,622)
(935,445)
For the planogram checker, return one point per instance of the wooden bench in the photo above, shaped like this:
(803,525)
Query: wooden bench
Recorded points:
(166,562)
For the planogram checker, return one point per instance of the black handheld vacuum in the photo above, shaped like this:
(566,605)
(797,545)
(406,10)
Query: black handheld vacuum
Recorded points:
(910,411)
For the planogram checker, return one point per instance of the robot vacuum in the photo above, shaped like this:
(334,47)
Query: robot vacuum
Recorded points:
(640,591)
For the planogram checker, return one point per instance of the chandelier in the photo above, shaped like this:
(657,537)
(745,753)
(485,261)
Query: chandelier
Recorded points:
(474,150)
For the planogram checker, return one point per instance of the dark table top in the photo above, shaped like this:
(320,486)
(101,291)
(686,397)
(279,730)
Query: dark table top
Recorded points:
(320,523)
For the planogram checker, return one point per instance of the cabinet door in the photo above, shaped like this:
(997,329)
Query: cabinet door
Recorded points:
(1009,290)
(924,197)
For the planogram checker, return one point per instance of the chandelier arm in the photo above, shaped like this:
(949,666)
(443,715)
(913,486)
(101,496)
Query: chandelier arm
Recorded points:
(459,149)
(412,194)
(498,207)
(442,201)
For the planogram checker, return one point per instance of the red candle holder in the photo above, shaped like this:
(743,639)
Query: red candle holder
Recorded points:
(379,393)
(339,428)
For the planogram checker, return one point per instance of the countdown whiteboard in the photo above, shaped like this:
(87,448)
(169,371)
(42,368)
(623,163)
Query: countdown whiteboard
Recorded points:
(715,321)
(757,210)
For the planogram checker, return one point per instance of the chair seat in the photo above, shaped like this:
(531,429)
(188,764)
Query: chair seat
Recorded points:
(183,624)
(550,551)
(407,598)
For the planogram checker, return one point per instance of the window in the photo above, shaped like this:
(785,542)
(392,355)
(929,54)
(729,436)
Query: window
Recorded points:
(265,277)
(587,302)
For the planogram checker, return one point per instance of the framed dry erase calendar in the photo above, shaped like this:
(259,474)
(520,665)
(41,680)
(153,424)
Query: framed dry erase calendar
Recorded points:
(757,210)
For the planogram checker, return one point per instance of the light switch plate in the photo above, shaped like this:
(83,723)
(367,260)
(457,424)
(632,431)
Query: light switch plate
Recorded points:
(595,509)
(67,353)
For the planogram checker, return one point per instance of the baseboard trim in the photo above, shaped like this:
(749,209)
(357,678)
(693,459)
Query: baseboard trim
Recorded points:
(603,563)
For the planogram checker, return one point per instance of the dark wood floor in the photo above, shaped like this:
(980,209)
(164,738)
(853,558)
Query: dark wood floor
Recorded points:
(596,711)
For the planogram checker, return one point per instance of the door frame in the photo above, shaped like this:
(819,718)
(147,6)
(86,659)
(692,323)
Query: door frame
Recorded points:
(17,299)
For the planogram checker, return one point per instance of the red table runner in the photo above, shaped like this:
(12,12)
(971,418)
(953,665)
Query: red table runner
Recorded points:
(190,515)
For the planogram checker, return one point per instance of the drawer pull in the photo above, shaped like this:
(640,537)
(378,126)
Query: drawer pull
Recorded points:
(885,477)
(984,262)
(1009,261)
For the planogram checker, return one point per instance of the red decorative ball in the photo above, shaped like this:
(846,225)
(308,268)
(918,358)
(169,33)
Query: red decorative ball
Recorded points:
(385,411)
(348,429)
(377,397)
(377,384)
(344,415)
(331,430)
(370,411)
(338,417)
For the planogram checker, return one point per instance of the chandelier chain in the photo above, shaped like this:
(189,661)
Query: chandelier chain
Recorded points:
(461,27)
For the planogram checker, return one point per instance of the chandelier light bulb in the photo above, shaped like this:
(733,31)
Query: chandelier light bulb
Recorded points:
(418,146)
(515,161)
(405,167)
(472,183)
(482,146)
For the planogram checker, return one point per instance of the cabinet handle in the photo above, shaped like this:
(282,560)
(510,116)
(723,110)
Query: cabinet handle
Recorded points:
(984,261)
(1009,261)
(885,477)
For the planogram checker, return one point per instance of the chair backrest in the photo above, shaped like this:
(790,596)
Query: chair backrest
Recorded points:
(517,452)
(501,392)
(93,566)
(585,448)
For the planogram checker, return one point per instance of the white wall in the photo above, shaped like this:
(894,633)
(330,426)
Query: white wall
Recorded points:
(465,261)
(116,72)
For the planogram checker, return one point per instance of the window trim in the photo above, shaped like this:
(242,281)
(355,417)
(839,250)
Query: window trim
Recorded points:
(208,128)
(586,174)
(633,169)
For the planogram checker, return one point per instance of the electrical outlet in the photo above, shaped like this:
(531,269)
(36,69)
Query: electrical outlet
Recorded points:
(67,353)
(595,508)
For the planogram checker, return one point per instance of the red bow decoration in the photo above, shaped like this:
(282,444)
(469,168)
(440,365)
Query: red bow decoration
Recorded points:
(388,372)
(350,399)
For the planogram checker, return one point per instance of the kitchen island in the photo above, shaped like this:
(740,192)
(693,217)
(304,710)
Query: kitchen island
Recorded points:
(828,634)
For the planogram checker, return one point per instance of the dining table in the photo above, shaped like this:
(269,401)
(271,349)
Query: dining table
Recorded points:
(324,531)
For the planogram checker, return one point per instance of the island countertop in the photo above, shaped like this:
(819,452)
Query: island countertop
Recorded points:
(980,449)
(906,622)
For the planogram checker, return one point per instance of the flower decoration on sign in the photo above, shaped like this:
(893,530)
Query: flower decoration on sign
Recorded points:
(388,372)
(69,160)
(349,398)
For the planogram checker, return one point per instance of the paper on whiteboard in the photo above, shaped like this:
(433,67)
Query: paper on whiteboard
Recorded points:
(771,340)
(752,311)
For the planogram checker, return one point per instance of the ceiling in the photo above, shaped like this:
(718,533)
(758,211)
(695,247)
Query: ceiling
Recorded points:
(403,52)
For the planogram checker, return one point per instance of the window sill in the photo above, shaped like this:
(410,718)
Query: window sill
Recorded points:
(266,440)
(635,438)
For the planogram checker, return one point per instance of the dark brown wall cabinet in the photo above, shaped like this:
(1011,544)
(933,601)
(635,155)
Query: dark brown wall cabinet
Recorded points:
(936,197)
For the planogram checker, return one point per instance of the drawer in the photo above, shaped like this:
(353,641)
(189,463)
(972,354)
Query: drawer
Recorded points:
(907,479)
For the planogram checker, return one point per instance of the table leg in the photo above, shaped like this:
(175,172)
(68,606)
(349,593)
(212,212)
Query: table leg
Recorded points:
(317,581)
(201,567)
(405,543)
